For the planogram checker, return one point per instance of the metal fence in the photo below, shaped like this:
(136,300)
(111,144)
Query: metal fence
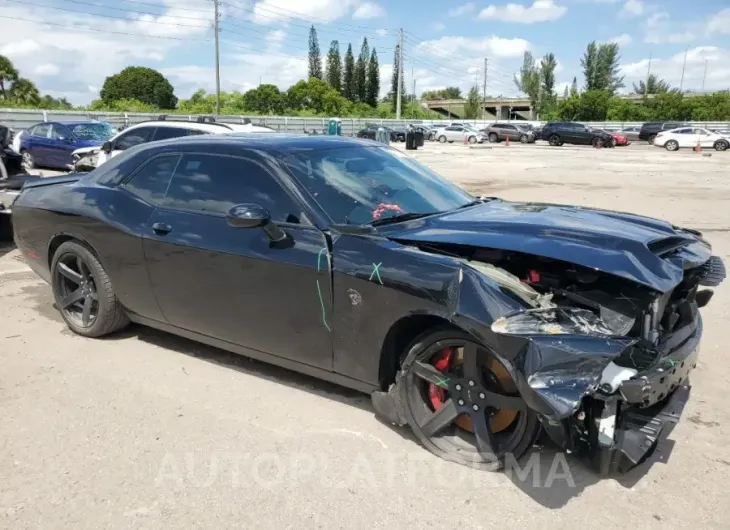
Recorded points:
(19,119)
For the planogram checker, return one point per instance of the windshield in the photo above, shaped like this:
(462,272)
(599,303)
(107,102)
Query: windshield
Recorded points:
(93,131)
(359,185)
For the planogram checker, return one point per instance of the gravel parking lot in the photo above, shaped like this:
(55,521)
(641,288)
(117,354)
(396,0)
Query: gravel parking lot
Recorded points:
(148,430)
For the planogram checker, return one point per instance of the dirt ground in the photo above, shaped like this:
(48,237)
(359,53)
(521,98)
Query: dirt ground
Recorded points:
(147,430)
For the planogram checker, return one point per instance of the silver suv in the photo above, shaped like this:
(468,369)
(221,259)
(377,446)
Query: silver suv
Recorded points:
(498,132)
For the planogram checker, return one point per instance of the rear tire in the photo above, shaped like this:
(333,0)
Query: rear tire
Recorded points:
(651,139)
(77,274)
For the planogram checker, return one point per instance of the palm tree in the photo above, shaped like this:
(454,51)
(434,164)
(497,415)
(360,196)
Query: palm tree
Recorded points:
(23,91)
(653,85)
(8,73)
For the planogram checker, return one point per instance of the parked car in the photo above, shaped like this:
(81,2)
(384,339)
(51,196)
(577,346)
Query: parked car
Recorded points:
(10,161)
(631,132)
(371,129)
(475,321)
(499,132)
(619,139)
(649,131)
(88,158)
(690,137)
(458,133)
(51,144)
(559,133)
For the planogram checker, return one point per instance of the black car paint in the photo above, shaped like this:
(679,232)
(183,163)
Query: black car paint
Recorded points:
(574,133)
(332,302)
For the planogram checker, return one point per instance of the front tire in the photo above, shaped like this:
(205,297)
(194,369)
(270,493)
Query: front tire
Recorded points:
(721,145)
(83,292)
(472,139)
(523,139)
(442,139)
(467,411)
(671,145)
(493,138)
(554,140)
(651,139)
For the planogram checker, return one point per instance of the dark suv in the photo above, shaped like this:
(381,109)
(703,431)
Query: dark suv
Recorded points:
(372,128)
(649,130)
(498,132)
(568,132)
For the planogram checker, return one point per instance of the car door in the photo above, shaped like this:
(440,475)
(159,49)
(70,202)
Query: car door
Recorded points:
(37,144)
(454,134)
(232,283)
(704,137)
(508,130)
(61,145)
(685,137)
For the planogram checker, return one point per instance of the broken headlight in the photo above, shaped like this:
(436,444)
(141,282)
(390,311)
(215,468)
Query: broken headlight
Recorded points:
(553,321)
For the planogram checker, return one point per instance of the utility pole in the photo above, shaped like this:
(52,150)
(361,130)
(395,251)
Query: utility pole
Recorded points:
(681,82)
(400,74)
(216,30)
(704,76)
(413,103)
(648,73)
(484,92)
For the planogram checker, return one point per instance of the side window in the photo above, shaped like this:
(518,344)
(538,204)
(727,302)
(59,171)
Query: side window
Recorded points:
(60,131)
(164,133)
(508,127)
(151,181)
(684,131)
(133,137)
(41,130)
(214,184)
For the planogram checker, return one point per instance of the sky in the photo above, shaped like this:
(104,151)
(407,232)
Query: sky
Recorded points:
(68,47)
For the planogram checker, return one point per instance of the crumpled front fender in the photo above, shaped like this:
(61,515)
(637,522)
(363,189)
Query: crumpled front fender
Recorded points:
(552,372)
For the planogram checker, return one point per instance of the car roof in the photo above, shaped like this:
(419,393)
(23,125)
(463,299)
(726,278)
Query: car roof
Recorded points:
(208,127)
(271,142)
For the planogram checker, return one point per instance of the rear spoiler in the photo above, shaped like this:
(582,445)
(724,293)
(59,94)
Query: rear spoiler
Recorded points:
(50,181)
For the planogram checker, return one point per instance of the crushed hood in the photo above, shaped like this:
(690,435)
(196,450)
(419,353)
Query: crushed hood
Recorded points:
(91,147)
(647,251)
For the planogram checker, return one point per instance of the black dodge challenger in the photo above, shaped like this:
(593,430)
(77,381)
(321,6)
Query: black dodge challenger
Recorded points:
(476,321)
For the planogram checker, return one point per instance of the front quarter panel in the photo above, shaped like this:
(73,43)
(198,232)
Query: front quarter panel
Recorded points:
(378,282)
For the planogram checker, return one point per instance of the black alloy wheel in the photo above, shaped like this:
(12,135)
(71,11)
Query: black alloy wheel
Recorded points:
(83,293)
(554,140)
(721,145)
(462,403)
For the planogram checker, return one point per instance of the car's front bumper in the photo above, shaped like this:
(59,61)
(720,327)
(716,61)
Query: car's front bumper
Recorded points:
(648,406)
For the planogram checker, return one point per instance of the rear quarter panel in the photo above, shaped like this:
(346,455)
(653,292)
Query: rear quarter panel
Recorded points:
(109,220)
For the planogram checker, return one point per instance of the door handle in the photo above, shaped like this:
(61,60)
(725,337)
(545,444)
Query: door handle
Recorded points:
(161,229)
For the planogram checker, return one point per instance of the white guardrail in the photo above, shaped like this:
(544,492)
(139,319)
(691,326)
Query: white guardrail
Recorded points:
(19,119)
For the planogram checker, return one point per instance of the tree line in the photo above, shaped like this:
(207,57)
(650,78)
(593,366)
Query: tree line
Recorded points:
(598,100)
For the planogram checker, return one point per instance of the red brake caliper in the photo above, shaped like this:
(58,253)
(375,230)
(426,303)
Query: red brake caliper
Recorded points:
(435,393)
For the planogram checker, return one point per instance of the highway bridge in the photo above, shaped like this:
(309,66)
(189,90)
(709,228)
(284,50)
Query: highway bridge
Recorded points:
(501,108)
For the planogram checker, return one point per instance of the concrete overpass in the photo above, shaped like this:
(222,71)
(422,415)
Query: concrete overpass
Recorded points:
(502,108)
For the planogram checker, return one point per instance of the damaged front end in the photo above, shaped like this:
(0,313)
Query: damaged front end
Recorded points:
(606,363)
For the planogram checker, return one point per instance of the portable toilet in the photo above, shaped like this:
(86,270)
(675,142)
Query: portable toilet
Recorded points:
(334,127)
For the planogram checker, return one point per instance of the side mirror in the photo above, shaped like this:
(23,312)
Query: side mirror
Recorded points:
(106,147)
(254,216)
